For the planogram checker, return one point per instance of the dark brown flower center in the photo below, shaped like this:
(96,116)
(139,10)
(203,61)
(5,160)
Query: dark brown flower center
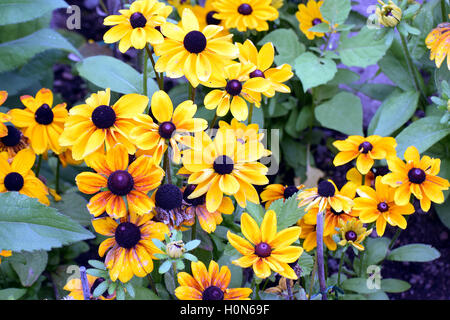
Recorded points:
(195,42)
(223,165)
(316,21)
(127,235)
(120,182)
(365,147)
(137,20)
(44,114)
(289,192)
(13,181)
(351,236)
(245,9)
(168,197)
(416,175)
(257,74)
(212,293)
(103,117)
(210,19)
(196,201)
(326,189)
(263,250)
(12,138)
(382,207)
(166,129)
(233,87)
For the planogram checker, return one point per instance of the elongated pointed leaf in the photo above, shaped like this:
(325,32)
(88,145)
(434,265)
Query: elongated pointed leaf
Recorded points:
(15,11)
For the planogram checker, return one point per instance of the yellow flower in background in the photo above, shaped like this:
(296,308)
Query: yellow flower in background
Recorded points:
(193,52)
(208,284)
(135,27)
(245,14)
(13,141)
(417,176)
(365,150)
(309,234)
(180,4)
(3,117)
(263,60)
(438,41)
(18,176)
(5,253)
(130,248)
(389,15)
(379,205)
(66,158)
(116,179)
(353,232)
(40,122)
(266,249)
(75,288)
(206,16)
(236,88)
(355,179)
(224,166)
(96,126)
(172,124)
(309,15)
(275,192)
(277,4)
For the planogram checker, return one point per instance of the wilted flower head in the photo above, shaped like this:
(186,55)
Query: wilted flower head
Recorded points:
(389,15)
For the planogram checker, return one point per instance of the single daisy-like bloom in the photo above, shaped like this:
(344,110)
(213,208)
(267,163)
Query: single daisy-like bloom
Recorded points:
(236,87)
(263,61)
(5,253)
(356,179)
(277,4)
(208,284)
(389,15)
(438,41)
(379,205)
(224,166)
(274,192)
(115,180)
(309,234)
(353,232)
(18,176)
(193,52)
(13,141)
(365,150)
(135,27)
(96,125)
(3,117)
(171,125)
(131,250)
(266,249)
(245,14)
(416,176)
(75,288)
(325,194)
(309,15)
(42,123)
(206,16)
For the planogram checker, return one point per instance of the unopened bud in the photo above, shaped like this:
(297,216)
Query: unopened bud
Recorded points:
(389,15)
(175,249)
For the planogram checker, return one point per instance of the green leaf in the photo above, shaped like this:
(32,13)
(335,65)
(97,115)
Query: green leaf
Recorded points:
(416,252)
(141,293)
(342,113)
(363,49)
(443,211)
(335,11)
(306,262)
(165,266)
(286,44)
(321,27)
(256,211)
(395,111)
(314,71)
(12,293)
(97,273)
(344,76)
(422,134)
(26,224)
(190,257)
(130,289)
(358,285)
(394,285)
(29,265)
(101,288)
(376,250)
(19,30)
(192,245)
(73,205)
(97,264)
(288,212)
(16,11)
(18,52)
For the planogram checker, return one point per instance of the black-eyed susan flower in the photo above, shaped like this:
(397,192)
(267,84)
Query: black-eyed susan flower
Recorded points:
(352,232)
(116,180)
(263,60)
(224,166)
(75,287)
(5,253)
(266,249)
(148,135)
(208,284)
(130,248)
(356,179)
(365,150)
(18,176)
(389,15)
(42,123)
(236,88)
(13,141)
(325,194)
(245,14)
(438,41)
(416,176)
(193,52)
(135,27)
(274,192)
(308,16)
(206,16)
(309,234)
(96,126)
(379,205)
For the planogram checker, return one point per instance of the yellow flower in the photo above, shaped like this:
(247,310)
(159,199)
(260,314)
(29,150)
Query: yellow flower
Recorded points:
(224,165)
(3,117)
(66,158)
(352,232)
(208,284)
(131,248)
(355,178)
(42,123)
(266,249)
(5,253)
(172,123)
(193,52)
(277,4)
(95,125)
(13,141)
(389,15)
(438,41)
(309,15)
(75,288)
(365,150)
(236,86)
(416,176)
(274,192)
(206,16)
(135,27)
(245,14)
(263,61)
(309,233)
(116,180)
(378,205)
(18,176)
(180,4)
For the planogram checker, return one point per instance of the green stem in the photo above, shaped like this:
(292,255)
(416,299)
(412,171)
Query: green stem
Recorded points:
(194,229)
(320,260)
(174,269)
(265,284)
(38,166)
(167,167)
(341,262)
(102,4)
(191,92)
(396,235)
(213,123)
(159,77)
(152,283)
(313,277)
(443,11)
(144,74)
(58,165)
(250,113)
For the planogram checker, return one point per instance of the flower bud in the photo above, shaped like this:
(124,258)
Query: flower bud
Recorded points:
(389,15)
(175,249)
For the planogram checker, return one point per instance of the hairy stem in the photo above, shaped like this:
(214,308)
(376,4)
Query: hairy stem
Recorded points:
(320,261)
(38,166)
(85,284)
(341,262)
(58,166)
